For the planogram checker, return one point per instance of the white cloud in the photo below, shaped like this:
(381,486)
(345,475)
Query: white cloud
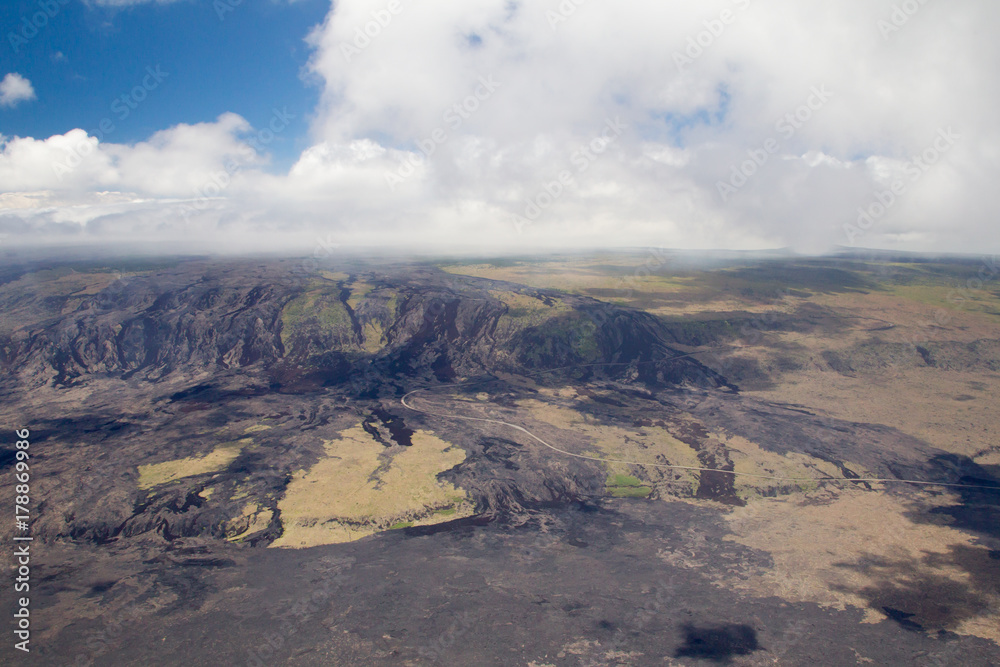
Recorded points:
(178,162)
(15,89)
(391,83)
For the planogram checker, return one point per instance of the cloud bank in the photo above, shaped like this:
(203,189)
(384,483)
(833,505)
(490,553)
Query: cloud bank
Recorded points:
(733,124)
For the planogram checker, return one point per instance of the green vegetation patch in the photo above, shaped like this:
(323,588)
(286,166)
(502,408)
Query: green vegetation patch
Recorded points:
(622,480)
(560,341)
(319,308)
(626,486)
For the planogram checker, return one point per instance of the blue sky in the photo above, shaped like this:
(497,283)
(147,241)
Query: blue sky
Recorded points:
(248,62)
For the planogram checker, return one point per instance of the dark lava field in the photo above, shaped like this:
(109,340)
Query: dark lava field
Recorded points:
(223,471)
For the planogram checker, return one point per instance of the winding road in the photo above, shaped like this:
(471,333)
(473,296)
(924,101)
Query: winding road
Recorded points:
(817,480)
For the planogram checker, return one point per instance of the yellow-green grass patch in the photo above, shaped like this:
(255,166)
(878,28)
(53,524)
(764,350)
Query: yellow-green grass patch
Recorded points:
(253,519)
(361,488)
(374,337)
(853,548)
(581,278)
(644,447)
(749,458)
(156,474)
(920,402)
(525,311)
(950,298)
(359,290)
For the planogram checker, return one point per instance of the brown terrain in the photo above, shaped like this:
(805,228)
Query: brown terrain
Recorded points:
(645,458)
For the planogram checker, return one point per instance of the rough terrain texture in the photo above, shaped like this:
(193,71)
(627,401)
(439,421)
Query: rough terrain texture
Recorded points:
(194,421)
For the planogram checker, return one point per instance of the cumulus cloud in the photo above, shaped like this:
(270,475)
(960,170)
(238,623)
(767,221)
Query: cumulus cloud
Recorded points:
(730,124)
(15,89)
(178,162)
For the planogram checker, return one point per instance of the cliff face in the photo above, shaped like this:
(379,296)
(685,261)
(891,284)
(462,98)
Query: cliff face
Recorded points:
(148,325)
(322,331)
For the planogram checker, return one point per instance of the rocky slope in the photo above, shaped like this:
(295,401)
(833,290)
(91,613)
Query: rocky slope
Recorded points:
(312,332)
